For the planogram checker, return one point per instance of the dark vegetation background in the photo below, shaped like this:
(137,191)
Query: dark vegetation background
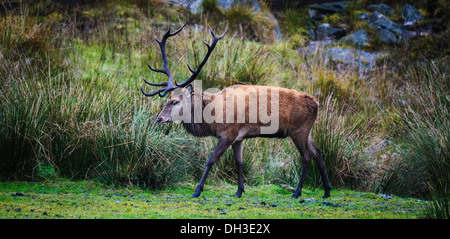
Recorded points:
(70,105)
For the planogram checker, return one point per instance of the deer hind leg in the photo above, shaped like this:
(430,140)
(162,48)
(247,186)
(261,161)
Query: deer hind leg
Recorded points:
(302,145)
(221,147)
(237,151)
(317,155)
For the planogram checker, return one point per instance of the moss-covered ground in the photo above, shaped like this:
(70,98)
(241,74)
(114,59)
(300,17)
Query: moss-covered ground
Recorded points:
(90,199)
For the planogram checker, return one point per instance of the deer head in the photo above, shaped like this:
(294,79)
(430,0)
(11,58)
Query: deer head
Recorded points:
(176,101)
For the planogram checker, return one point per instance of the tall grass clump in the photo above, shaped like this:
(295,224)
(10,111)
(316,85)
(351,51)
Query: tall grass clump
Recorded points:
(424,169)
(75,106)
(337,134)
(27,53)
(252,25)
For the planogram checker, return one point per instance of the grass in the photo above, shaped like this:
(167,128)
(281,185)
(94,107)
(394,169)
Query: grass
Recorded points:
(89,199)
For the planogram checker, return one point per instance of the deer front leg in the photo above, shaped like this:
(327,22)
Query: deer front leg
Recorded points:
(221,147)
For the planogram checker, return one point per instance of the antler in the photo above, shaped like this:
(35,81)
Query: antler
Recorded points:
(210,49)
(169,85)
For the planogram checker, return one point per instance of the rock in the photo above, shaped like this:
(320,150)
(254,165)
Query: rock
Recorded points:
(315,46)
(411,15)
(315,16)
(328,8)
(383,8)
(362,60)
(387,36)
(227,4)
(263,203)
(312,34)
(273,205)
(308,200)
(326,203)
(359,38)
(277,32)
(341,5)
(287,187)
(194,6)
(325,31)
(377,19)
(362,16)
(386,196)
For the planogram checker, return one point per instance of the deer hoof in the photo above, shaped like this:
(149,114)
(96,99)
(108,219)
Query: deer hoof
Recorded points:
(238,195)
(196,194)
(295,196)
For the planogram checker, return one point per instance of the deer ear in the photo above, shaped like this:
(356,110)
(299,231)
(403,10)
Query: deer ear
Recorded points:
(189,88)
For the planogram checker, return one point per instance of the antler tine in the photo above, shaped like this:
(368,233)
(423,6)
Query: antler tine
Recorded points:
(155,84)
(152,93)
(177,31)
(156,70)
(210,49)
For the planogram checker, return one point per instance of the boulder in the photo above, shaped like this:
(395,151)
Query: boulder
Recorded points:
(359,38)
(387,36)
(325,31)
(362,60)
(411,15)
(277,32)
(382,8)
(377,19)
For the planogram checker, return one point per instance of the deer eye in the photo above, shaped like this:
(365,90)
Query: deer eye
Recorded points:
(174,102)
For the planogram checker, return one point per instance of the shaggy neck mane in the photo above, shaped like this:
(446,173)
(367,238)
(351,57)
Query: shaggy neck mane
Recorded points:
(198,129)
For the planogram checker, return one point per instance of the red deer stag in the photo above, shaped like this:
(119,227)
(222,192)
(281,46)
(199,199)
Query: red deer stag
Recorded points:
(293,115)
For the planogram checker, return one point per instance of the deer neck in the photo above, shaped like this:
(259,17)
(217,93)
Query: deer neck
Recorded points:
(194,127)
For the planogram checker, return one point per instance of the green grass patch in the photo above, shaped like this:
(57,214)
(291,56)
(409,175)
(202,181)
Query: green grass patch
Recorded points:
(90,199)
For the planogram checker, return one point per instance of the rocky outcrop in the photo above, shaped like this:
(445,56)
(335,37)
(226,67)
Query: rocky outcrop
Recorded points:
(379,21)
